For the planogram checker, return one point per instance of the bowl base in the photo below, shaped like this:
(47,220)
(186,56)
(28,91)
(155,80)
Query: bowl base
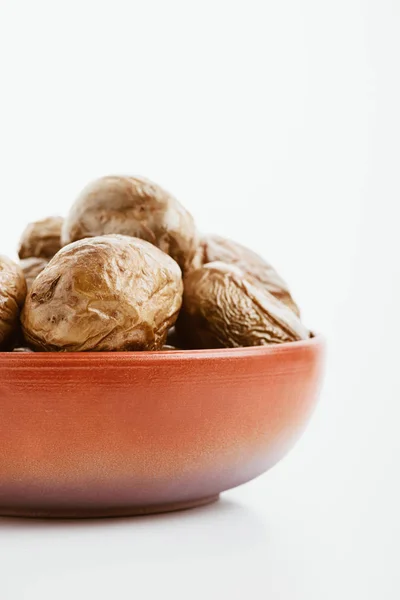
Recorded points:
(96,512)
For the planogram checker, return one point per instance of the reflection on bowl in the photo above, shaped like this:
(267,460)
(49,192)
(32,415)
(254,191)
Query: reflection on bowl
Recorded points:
(84,435)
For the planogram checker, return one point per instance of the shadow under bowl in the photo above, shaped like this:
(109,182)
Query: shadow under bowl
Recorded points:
(113,434)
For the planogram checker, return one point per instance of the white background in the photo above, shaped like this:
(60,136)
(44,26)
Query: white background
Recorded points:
(276,123)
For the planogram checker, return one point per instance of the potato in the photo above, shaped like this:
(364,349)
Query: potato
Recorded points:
(136,207)
(221,308)
(12,296)
(217,248)
(109,293)
(31,267)
(41,238)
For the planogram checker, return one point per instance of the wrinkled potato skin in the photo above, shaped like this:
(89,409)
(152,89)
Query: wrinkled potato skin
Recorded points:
(221,309)
(136,207)
(110,293)
(41,239)
(12,297)
(217,248)
(31,267)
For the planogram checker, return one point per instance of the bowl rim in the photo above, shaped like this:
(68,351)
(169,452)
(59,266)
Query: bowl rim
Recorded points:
(317,341)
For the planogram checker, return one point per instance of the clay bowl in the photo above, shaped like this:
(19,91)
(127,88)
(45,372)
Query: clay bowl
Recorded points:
(88,435)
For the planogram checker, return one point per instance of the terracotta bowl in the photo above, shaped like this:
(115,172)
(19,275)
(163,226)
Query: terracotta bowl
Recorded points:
(88,435)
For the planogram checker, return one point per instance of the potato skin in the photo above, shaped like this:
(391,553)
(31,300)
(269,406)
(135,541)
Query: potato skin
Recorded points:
(108,293)
(136,207)
(12,297)
(41,239)
(222,309)
(217,248)
(31,267)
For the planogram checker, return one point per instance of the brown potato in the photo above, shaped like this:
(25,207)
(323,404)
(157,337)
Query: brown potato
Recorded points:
(217,248)
(136,207)
(109,293)
(222,309)
(12,297)
(41,238)
(31,267)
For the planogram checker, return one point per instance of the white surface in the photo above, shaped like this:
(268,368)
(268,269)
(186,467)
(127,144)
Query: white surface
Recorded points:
(276,123)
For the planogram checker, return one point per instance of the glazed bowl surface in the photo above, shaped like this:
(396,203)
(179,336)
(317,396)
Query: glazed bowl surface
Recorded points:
(88,435)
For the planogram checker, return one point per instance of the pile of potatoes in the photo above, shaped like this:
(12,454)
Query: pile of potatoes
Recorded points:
(128,270)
